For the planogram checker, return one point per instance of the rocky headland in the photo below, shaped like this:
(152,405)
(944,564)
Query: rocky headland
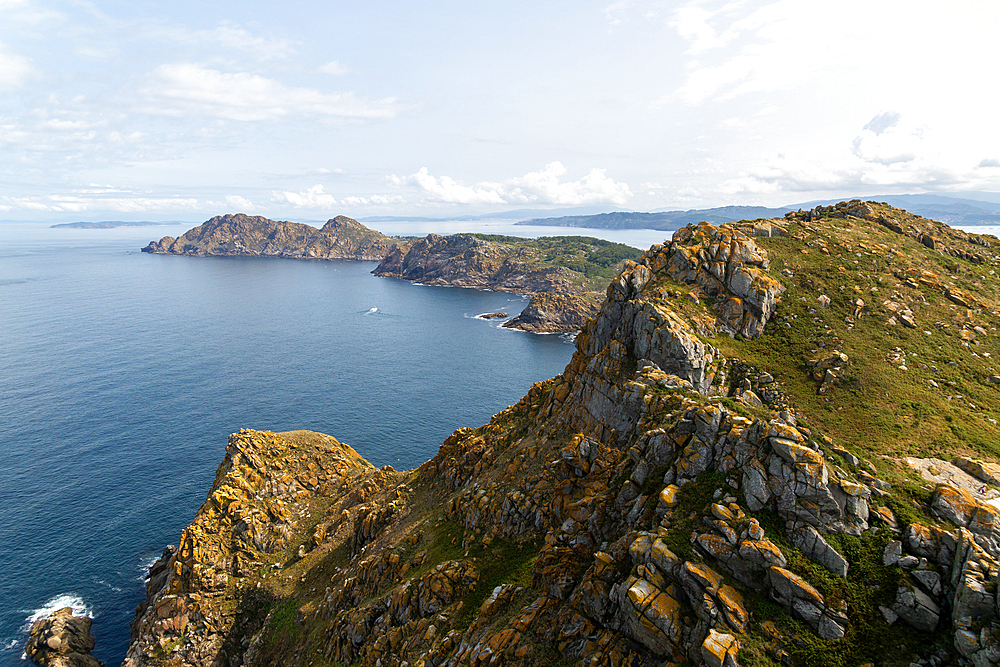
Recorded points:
(719,477)
(241,235)
(569,271)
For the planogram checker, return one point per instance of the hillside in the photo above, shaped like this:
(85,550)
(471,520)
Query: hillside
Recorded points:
(726,473)
(242,235)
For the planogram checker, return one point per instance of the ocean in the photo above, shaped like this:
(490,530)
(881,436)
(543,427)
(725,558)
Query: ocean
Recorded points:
(122,375)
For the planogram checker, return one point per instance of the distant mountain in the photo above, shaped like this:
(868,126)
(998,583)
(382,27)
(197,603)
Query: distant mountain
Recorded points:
(108,224)
(665,220)
(516,214)
(950,210)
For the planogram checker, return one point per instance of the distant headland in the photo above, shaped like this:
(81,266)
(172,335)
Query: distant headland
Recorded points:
(570,271)
(108,224)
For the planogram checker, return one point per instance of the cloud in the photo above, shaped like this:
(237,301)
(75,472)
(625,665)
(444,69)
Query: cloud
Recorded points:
(374,200)
(14,69)
(186,89)
(538,187)
(75,203)
(314,197)
(988,162)
(234,37)
(883,122)
(334,67)
(885,141)
(239,202)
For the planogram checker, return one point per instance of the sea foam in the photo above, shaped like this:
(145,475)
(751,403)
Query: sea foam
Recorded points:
(80,608)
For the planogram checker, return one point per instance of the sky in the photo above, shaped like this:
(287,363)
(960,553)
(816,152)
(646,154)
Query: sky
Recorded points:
(306,110)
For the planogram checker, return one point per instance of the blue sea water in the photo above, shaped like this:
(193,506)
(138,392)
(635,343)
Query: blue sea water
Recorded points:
(122,374)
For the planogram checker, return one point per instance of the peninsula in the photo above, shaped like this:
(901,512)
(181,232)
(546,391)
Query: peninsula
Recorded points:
(776,443)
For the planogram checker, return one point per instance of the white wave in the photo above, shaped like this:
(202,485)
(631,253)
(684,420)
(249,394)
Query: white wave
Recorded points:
(80,608)
(11,644)
(145,564)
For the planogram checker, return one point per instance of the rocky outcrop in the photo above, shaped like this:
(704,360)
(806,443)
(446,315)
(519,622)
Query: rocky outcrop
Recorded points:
(551,312)
(243,235)
(258,502)
(725,264)
(62,640)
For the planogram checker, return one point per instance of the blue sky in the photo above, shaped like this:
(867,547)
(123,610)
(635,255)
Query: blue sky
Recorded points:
(305,110)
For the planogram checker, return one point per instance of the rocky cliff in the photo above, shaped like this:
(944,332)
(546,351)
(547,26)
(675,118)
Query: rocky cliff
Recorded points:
(560,273)
(719,477)
(254,236)
(552,312)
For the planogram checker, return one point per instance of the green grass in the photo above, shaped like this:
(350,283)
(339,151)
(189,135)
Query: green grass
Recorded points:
(281,626)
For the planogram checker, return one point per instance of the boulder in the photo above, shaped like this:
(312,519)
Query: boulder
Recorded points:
(916,608)
(813,545)
(720,649)
(62,640)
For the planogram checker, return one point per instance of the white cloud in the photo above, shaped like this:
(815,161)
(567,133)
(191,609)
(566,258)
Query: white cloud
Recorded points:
(23,12)
(239,202)
(374,200)
(59,203)
(314,197)
(186,89)
(14,69)
(334,68)
(987,163)
(234,37)
(537,187)
(884,140)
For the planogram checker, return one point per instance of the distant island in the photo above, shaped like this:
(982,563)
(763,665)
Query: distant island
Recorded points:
(565,276)
(665,220)
(108,224)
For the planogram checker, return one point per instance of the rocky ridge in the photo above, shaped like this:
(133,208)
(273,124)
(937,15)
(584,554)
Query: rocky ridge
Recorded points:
(240,235)
(683,492)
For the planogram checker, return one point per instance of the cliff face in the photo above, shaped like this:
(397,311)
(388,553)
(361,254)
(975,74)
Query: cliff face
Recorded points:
(558,273)
(254,236)
(718,477)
